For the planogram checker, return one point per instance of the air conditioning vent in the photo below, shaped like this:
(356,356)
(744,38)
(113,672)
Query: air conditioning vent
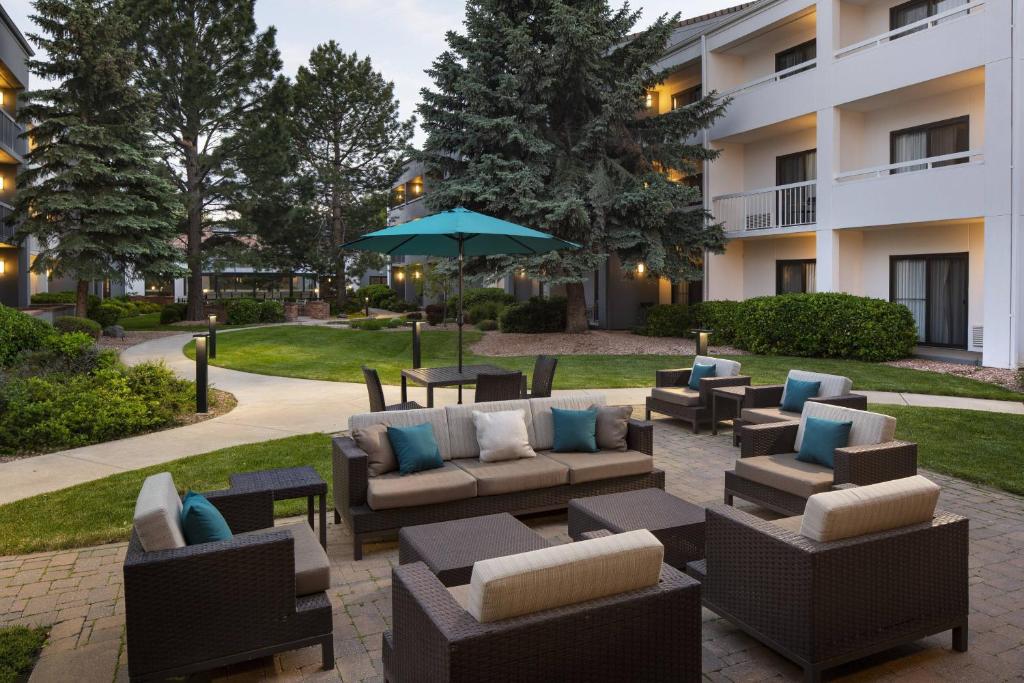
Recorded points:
(978,337)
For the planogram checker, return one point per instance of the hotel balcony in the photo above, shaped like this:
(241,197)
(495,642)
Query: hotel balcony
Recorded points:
(6,226)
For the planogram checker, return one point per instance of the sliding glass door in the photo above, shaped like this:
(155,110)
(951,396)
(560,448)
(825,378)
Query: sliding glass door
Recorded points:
(934,288)
(931,140)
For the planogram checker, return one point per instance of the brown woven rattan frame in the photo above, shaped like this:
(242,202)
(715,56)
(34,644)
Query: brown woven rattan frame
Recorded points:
(204,606)
(824,604)
(507,386)
(351,478)
(376,392)
(651,634)
(770,396)
(543,377)
(695,415)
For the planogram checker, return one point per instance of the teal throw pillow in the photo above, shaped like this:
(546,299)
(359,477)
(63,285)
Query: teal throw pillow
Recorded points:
(796,394)
(201,521)
(821,439)
(699,372)
(575,430)
(415,448)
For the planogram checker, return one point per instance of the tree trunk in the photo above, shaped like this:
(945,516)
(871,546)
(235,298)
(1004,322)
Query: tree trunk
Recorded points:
(338,235)
(575,308)
(82,299)
(194,257)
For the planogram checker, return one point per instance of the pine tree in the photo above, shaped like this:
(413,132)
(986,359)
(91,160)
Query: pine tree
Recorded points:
(91,192)
(205,67)
(351,142)
(537,116)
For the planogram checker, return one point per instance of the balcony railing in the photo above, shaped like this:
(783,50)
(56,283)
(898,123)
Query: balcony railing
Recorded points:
(771,78)
(783,206)
(913,166)
(6,225)
(10,132)
(921,25)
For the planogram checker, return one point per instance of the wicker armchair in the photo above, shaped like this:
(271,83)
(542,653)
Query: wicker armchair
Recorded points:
(203,606)
(376,391)
(543,377)
(672,396)
(821,604)
(508,386)
(652,634)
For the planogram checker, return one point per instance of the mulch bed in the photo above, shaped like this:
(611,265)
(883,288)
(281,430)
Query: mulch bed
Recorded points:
(596,342)
(999,376)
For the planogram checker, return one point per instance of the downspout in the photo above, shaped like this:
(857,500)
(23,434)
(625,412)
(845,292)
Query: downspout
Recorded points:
(1014,218)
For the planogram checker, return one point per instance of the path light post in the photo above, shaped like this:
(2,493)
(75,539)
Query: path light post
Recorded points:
(417,356)
(366,302)
(202,379)
(702,337)
(213,335)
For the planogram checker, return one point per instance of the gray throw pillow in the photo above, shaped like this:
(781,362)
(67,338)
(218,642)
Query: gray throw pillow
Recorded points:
(373,440)
(612,425)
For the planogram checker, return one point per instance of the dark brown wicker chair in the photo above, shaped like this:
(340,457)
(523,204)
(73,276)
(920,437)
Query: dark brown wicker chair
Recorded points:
(376,391)
(508,386)
(205,606)
(821,604)
(543,377)
(699,412)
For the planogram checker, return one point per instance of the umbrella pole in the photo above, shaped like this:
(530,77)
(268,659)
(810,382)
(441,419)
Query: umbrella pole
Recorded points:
(462,258)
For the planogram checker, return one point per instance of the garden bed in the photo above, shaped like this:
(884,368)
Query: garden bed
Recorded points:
(594,342)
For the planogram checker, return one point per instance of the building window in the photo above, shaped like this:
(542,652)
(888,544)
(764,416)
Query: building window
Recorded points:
(804,52)
(796,205)
(916,10)
(930,140)
(935,289)
(795,276)
(398,195)
(686,97)
(378,279)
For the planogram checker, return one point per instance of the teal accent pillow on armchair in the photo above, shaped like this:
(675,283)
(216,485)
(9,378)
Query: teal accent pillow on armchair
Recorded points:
(415,448)
(575,430)
(201,521)
(699,372)
(796,394)
(821,439)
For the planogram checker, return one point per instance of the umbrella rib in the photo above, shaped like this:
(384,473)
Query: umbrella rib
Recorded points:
(524,246)
(400,245)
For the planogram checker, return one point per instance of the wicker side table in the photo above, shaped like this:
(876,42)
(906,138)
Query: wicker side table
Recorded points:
(287,483)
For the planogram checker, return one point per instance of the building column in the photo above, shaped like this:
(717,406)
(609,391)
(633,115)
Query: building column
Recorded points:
(997,349)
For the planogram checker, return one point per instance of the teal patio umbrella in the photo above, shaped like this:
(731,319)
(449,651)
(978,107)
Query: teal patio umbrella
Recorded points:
(459,233)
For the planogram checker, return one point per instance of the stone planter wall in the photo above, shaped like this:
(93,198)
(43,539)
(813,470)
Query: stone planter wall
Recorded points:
(318,310)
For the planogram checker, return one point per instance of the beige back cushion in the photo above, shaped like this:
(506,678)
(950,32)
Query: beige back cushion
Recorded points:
(563,575)
(408,418)
(157,516)
(723,367)
(868,428)
(869,509)
(831,385)
(543,424)
(462,431)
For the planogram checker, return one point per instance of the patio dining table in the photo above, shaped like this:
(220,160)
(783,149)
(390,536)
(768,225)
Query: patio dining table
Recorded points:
(445,377)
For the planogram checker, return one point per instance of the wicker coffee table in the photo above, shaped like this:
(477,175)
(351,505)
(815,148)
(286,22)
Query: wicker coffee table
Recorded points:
(286,483)
(449,549)
(679,525)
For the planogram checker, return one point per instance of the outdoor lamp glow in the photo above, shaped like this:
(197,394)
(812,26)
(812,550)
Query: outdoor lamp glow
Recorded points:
(3,182)
(3,266)
(399,275)
(649,100)
(416,274)
(702,341)
(640,269)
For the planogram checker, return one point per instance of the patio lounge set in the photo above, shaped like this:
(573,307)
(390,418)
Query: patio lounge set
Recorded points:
(860,562)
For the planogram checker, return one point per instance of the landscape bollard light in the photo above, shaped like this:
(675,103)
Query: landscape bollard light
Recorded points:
(702,341)
(213,335)
(202,379)
(367,302)
(417,329)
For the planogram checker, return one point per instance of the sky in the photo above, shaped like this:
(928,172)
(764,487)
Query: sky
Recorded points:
(402,37)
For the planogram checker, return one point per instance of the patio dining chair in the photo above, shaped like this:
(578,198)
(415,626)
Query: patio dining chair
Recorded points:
(543,377)
(376,391)
(507,386)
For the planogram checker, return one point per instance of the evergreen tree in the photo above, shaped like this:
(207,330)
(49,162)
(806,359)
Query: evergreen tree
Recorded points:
(351,143)
(537,116)
(205,67)
(92,193)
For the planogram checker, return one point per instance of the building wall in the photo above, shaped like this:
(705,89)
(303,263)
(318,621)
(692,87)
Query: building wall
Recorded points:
(760,257)
(760,157)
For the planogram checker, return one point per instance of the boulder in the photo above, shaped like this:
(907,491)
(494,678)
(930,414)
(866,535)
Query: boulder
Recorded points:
(115,331)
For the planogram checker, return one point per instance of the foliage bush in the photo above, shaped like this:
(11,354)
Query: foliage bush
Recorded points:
(415,315)
(173,313)
(435,313)
(476,296)
(379,295)
(667,320)
(64,298)
(718,316)
(20,332)
(75,352)
(487,310)
(127,308)
(371,324)
(487,325)
(106,314)
(244,312)
(72,323)
(146,307)
(534,316)
(271,311)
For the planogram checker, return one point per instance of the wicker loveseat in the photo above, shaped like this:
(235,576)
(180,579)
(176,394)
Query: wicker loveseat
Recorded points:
(763,404)
(769,474)
(378,506)
(672,395)
(822,603)
(189,608)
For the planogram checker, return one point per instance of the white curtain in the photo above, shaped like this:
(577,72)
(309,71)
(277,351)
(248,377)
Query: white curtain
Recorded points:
(910,278)
(943,5)
(909,146)
(811,277)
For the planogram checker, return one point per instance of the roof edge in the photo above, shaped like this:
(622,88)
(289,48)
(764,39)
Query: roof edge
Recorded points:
(6,18)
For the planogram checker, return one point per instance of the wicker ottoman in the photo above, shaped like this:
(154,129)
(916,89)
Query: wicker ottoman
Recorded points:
(679,525)
(449,549)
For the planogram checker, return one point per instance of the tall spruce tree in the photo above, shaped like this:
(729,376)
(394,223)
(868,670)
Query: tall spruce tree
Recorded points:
(537,116)
(205,65)
(351,141)
(92,192)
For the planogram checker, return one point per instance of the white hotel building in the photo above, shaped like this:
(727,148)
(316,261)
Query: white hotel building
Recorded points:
(871,147)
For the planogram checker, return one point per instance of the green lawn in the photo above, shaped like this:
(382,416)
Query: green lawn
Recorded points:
(337,354)
(19,648)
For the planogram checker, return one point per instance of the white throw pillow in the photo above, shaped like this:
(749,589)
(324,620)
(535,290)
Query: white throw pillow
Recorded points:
(502,435)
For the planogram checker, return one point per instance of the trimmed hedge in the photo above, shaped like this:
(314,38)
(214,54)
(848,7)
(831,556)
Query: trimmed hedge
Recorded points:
(173,313)
(244,312)
(435,313)
(20,332)
(106,314)
(534,316)
(72,323)
(720,317)
(495,298)
(487,325)
(667,320)
(271,311)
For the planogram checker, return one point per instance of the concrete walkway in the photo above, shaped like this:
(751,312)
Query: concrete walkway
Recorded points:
(276,407)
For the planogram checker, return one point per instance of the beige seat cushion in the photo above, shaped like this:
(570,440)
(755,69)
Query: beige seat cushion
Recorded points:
(507,476)
(437,418)
(562,575)
(462,429)
(723,367)
(786,473)
(681,396)
(373,440)
(866,429)
(544,424)
(790,523)
(760,416)
(585,467)
(157,516)
(394,490)
(461,595)
(312,568)
(869,509)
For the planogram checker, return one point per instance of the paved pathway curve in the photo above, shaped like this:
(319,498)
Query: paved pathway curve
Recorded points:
(276,407)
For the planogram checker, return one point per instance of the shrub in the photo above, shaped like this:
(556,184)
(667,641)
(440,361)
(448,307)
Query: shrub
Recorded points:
(435,313)
(72,323)
(271,312)
(380,295)
(415,315)
(718,316)
(243,312)
(64,298)
(401,306)
(488,310)
(126,307)
(667,320)
(173,313)
(20,332)
(487,325)
(106,314)
(534,316)
(146,307)
(476,296)
(74,353)
(371,324)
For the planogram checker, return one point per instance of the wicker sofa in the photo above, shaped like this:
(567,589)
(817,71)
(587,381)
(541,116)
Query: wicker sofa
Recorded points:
(672,395)
(822,603)
(190,608)
(769,474)
(375,507)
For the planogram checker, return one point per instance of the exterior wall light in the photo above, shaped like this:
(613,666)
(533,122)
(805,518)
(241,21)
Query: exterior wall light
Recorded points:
(416,274)
(3,266)
(399,275)
(3,182)
(641,269)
